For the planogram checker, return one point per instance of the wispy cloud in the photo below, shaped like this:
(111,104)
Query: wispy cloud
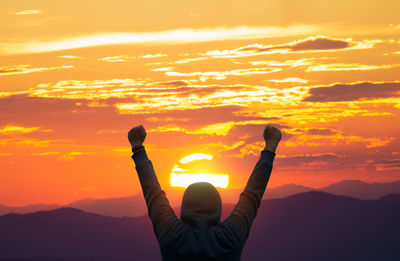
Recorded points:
(301,159)
(310,44)
(10,129)
(221,97)
(352,92)
(147,56)
(129,96)
(47,153)
(385,164)
(188,60)
(23,69)
(117,58)
(163,69)
(144,96)
(70,57)
(62,156)
(124,58)
(219,129)
(395,26)
(348,67)
(28,12)
(288,80)
(162,37)
(290,63)
(219,75)
(74,89)
(26,142)
(71,155)
(302,138)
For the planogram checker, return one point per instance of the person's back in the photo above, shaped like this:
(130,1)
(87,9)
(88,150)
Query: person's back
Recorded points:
(200,234)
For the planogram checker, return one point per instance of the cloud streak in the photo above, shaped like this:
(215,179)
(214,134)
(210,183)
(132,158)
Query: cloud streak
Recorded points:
(289,80)
(219,129)
(17,129)
(347,67)
(310,44)
(28,12)
(177,36)
(124,58)
(219,75)
(24,69)
(72,57)
(303,137)
(353,92)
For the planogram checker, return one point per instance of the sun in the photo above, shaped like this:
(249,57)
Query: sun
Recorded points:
(193,168)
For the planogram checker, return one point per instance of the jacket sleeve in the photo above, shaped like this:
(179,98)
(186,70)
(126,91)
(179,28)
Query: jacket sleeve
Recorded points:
(243,214)
(160,212)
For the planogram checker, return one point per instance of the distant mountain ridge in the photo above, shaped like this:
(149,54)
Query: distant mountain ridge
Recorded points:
(27,208)
(134,206)
(362,190)
(285,190)
(308,226)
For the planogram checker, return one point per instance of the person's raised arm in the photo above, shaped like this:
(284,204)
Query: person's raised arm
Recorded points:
(245,210)
(159,209)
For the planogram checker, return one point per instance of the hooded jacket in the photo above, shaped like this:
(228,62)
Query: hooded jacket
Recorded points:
(200,234)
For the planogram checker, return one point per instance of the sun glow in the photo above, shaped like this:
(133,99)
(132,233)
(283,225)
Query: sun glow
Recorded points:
(184,180)
(182,176)
(197,156)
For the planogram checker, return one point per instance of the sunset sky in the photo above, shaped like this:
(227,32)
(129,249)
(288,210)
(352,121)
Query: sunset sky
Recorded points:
(201,77)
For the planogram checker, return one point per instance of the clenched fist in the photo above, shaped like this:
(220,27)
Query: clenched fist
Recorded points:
(137,135)
(272,137)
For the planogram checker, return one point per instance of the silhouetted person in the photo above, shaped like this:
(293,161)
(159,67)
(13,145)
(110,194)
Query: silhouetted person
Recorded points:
(199,234)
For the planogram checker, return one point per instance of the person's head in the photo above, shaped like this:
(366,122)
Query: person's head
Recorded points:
(201,204)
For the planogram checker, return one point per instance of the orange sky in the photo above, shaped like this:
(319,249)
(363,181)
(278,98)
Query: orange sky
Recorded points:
(202,77)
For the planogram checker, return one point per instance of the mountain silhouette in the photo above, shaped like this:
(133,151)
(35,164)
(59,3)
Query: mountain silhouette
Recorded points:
(72,234)
(285,190)
(362,190)
(120,207)
(132,206)
(391,197)
(27,209)
(308,226)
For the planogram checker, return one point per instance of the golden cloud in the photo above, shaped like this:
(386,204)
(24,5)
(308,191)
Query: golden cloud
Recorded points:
(310,44)
(354,91)
(219,129)
(177,36)
(223,74)
(23,69)
(289,63)
(301,138)
(118,58)
(26,142)
(241,95)
(70,57)
(124,58)
(28,12)
(348,67)
(71,155)
(10,129)
(163,69)
(289,80)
